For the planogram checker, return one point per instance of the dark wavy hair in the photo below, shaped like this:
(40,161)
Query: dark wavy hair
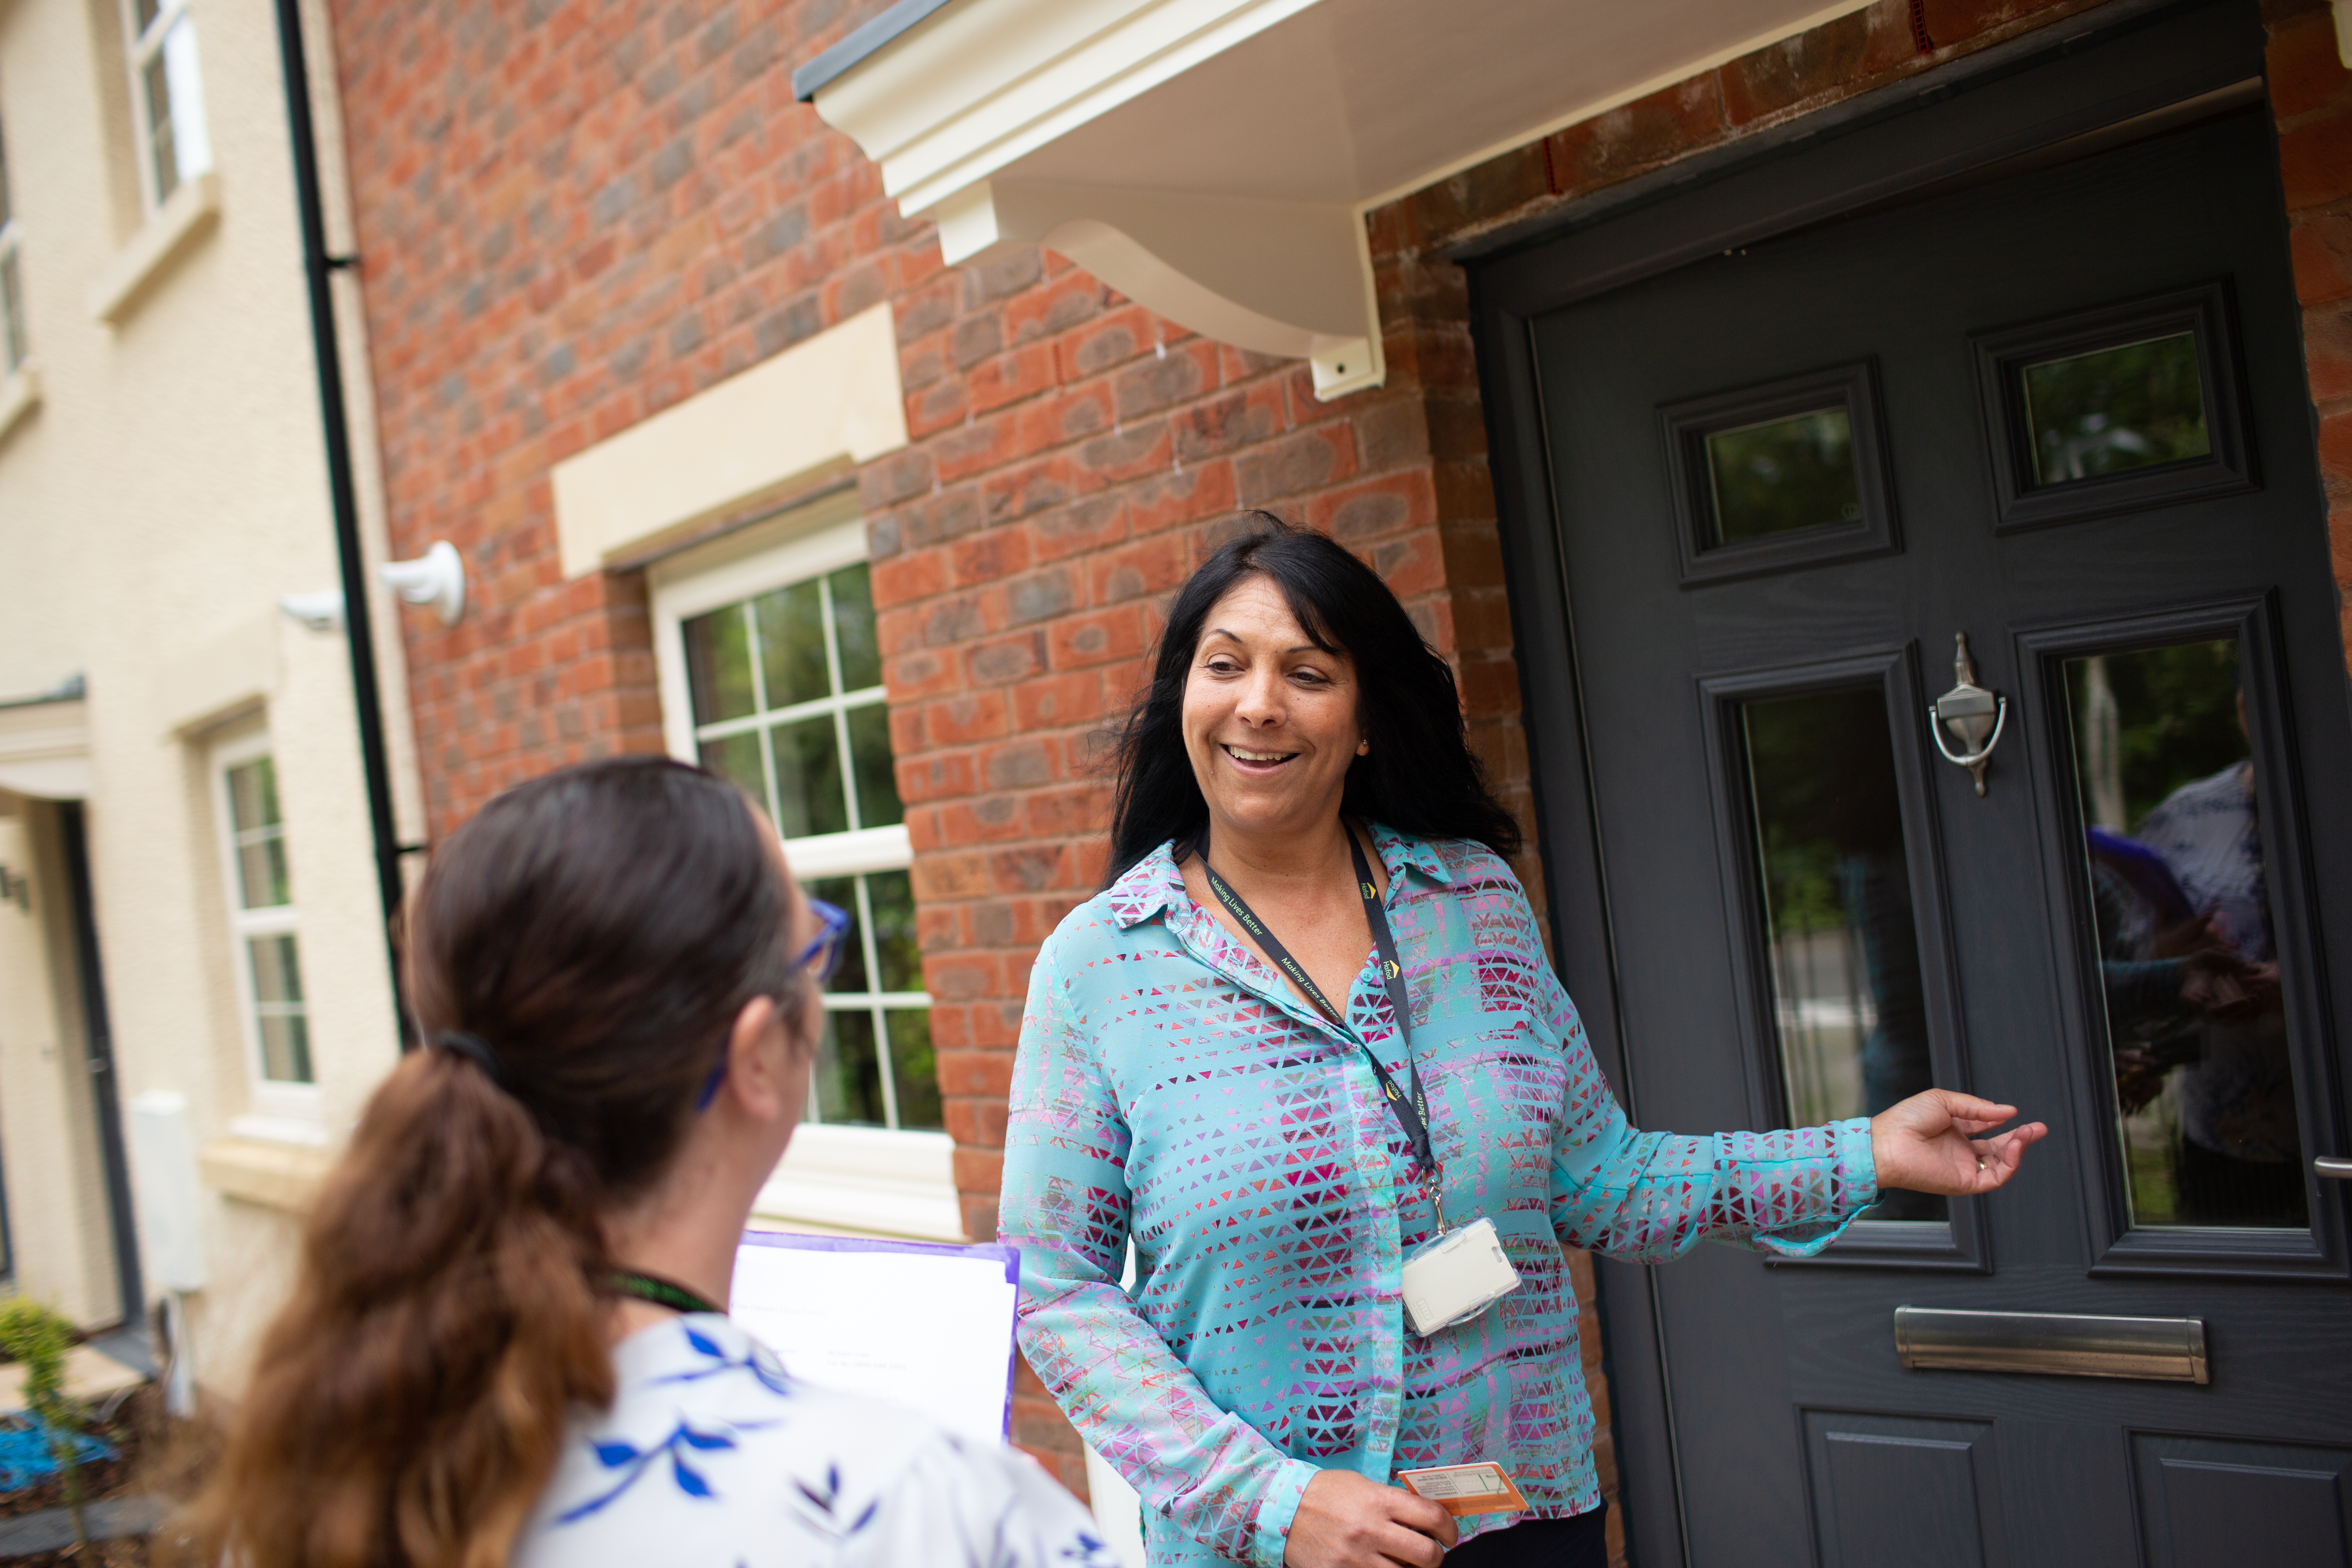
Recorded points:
(1419,777)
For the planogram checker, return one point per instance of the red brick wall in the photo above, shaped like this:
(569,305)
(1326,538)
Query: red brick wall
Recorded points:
(2311,94)
(573,215)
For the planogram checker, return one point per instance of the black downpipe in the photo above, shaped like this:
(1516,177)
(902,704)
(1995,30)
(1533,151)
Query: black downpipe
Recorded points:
(317,268)
(97,1025)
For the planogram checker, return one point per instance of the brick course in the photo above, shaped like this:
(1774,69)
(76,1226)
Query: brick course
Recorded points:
(571,215)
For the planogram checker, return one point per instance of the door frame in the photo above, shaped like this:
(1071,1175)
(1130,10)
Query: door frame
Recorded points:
(2127,70)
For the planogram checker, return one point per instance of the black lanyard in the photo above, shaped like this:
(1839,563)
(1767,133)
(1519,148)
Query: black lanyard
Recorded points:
(1410,1105)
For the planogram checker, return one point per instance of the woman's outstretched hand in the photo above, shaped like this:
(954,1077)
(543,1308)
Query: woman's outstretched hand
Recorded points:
(1347,1521)
(1928,1144)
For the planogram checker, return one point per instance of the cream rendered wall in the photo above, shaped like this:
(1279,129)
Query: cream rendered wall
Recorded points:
(169,486)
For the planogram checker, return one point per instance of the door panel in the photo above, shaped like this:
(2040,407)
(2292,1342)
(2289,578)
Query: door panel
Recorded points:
(1888,1490)
(1783,478)
(2204,1501)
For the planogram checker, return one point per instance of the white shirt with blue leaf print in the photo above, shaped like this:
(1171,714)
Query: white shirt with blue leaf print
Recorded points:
(711,1455)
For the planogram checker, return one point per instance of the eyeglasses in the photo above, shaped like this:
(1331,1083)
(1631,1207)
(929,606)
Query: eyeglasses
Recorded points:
(820,957)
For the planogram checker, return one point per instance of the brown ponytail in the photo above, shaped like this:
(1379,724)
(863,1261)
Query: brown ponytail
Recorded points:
(598,929)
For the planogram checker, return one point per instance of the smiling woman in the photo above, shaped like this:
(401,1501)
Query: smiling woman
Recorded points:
(1306,1051)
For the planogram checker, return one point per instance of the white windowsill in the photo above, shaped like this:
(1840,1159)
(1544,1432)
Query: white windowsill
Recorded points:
(170,231)
(866,1181)
(845,854)
(20,394)
(273,1176)
(293,1131)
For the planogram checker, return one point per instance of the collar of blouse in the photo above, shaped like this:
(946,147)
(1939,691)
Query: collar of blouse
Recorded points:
(1154,886)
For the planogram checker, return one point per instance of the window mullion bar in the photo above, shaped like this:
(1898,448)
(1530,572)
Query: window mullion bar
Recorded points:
(872,951)
(760,708)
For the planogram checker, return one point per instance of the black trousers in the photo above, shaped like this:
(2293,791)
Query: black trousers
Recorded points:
(1581,1542)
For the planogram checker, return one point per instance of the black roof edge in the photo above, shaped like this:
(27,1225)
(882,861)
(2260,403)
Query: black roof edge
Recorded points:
(837,61)
(72,689)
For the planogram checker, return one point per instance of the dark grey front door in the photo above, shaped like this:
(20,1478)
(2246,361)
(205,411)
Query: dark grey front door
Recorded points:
(2059,413)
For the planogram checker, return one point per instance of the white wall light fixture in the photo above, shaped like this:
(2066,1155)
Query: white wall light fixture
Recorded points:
(321,612)
(436,578)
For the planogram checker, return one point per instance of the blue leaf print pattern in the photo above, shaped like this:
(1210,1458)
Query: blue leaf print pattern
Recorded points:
(635,1462)
(757,1360)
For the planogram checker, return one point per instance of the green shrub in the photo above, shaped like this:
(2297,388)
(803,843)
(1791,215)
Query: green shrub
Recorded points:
(39,1338)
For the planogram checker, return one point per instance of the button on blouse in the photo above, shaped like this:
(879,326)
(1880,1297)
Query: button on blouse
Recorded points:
(1170,1088)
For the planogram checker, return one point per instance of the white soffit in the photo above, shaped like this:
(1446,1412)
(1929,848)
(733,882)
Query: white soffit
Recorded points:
(44,749)
(826,404)
(1214,159)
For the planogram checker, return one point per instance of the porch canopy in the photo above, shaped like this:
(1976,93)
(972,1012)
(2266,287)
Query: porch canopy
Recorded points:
(1214,159)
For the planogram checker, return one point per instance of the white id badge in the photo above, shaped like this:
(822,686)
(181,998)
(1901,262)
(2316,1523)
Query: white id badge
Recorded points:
(1451,1279)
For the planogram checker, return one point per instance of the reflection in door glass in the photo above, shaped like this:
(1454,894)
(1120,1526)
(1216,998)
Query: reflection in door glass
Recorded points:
(2131,406)
(1782,475)
(1849,1015)
(2187,959)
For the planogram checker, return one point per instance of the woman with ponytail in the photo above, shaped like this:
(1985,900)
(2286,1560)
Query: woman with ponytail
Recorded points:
(502,1345)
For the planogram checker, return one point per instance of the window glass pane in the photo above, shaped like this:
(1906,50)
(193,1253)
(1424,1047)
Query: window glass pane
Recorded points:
(848,1071)
(12,312)
(2185,947)
(736,758)
(148,11)
(914,1073)
(165,163)
(261,874)
(2116,409)
(719,665)
(1849,1010)
(278,1004)
(253,794)
(262,882)
(809,797)
(900,956)
(791,642)
(192,145)
(1783,474)
(277,969)
(849,979)
(878,780)
(286,1048)
(853,628)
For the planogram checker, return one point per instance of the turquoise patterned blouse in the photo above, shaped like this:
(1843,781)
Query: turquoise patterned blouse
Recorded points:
(1171,1089)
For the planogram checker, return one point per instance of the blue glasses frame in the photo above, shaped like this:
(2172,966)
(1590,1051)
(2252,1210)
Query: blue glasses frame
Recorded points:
(821,958)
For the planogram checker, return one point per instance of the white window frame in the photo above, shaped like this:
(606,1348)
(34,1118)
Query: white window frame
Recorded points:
(860,1180)
(16,336)
(282,1111)
(192,151)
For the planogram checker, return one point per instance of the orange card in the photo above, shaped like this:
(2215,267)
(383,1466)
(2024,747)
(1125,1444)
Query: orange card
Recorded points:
(1461,1489)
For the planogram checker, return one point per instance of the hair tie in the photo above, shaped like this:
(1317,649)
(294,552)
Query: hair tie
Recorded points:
(458,1043)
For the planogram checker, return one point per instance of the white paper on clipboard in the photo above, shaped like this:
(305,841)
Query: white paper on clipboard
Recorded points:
(923,1325)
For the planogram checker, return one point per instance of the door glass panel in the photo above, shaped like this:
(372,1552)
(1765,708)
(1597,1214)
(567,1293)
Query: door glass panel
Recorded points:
(2116,409)
(1850,1017)
(1782,475)
(2185,947)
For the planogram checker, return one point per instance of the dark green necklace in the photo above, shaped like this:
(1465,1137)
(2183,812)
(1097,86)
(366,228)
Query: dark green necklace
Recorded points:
(661,1292)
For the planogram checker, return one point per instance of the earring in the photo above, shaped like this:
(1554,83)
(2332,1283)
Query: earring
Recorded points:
(1363,748)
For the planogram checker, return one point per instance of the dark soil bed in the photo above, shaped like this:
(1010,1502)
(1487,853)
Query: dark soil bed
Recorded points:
(154,1455)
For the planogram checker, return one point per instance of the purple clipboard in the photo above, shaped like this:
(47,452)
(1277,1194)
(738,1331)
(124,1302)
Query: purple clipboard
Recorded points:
(1005,1255)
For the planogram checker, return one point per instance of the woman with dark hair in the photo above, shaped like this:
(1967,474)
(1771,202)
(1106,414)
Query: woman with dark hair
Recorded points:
(503,1344)
(1306,1053)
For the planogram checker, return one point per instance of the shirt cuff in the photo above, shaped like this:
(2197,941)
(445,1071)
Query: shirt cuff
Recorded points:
(1853,1176)
(1857,1166)
(1276,1510)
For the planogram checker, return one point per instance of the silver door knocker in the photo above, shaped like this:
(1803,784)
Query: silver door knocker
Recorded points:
(1972,714)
